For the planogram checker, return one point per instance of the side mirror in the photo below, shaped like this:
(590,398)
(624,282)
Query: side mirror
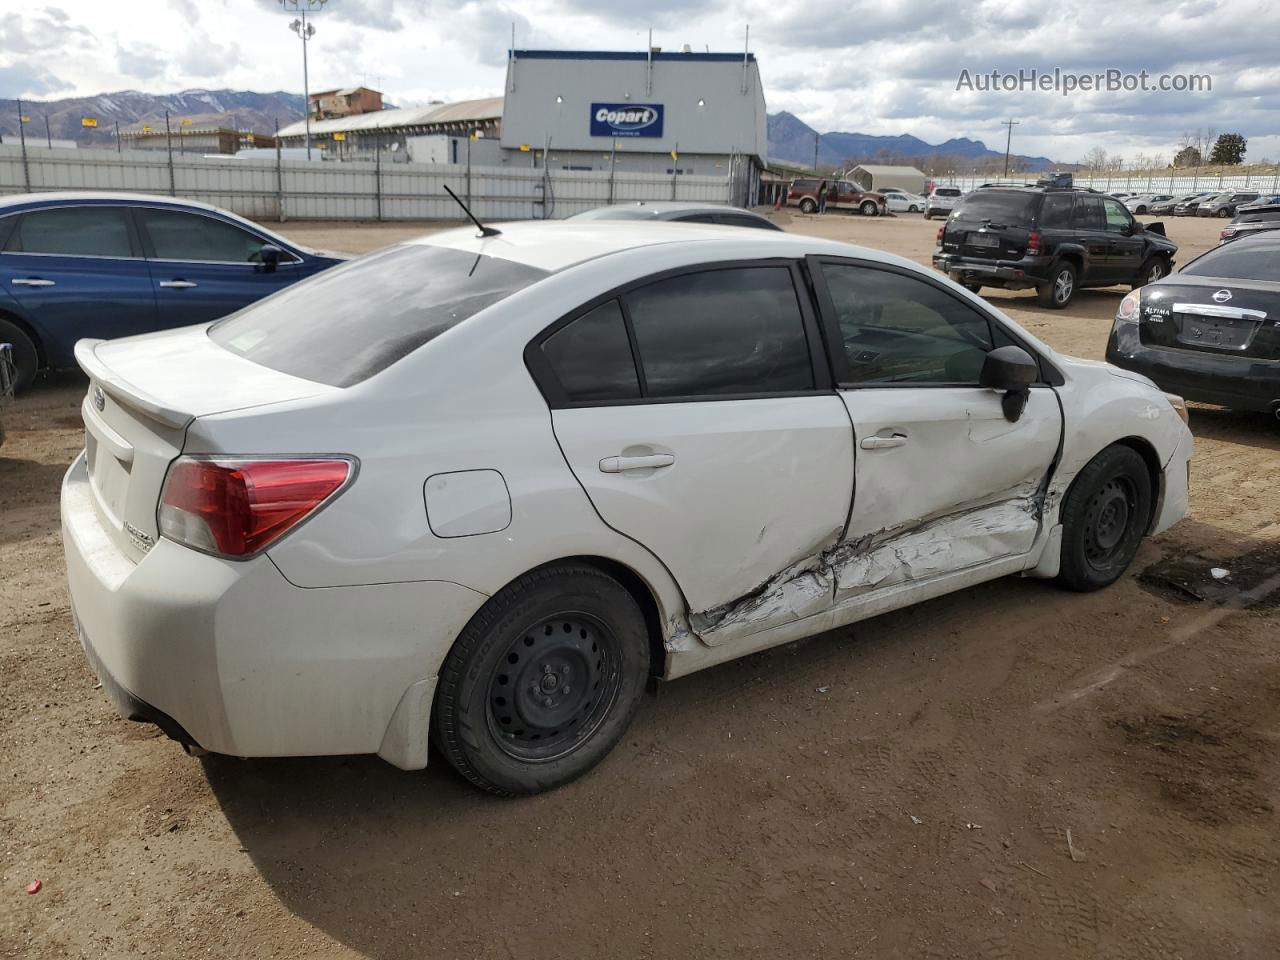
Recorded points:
(1012,370)
(269,257)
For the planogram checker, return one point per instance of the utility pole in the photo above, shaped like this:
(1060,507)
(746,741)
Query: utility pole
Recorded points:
(817,138)
(48,137)
(1008,140)
(305,32)
(22,138)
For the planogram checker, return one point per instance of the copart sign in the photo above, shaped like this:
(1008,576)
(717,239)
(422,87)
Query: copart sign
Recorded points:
(626,120)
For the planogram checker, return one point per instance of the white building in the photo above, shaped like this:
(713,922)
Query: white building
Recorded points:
(590,109)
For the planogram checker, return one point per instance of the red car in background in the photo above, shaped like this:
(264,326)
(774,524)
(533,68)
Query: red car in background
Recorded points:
(841,195)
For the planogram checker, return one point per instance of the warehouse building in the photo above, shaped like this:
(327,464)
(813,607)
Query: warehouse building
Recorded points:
(650,112)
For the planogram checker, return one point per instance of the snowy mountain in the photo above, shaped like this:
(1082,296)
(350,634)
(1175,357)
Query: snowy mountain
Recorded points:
(237,109)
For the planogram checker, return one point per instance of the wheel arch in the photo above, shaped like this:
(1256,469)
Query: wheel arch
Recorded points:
(18,321)
(1143,448)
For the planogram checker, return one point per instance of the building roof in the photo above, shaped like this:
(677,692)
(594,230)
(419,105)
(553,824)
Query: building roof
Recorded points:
(628,55)
(490,108)
(885,170)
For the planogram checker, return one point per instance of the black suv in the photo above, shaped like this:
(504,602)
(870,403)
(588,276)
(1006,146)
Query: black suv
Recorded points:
(1055,239)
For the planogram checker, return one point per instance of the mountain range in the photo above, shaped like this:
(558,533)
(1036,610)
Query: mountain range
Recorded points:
(236,109)
(790,138)
(791,141)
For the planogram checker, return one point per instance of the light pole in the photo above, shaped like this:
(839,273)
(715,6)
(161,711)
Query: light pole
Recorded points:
(305,32)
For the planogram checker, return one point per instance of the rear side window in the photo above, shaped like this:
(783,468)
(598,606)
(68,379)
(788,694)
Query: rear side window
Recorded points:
(998,206)
(91,231)
(732,331)
(804,185)
(188,236)
(348,323)
(1055,211)
(591,357)
(1088,214)
(1242,260)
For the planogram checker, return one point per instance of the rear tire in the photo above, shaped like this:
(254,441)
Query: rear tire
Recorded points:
(1061,288)
(25,356)
(808,206)
(972,287)
(543,681)
(1104,519)
(913,209)
(1224,213)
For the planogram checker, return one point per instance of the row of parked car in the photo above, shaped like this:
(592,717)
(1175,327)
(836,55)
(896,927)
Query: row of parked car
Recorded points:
(1204,204)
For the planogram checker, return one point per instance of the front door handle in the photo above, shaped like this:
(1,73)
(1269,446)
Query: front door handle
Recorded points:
(178,284)
(31,282)
(883,443)
(651,462)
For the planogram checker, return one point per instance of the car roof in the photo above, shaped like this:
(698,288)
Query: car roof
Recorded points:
(554,245)
(657,208)
(115,196)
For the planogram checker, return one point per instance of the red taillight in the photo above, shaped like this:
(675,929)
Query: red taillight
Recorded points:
(1033,244)
(237,507)
(941,230)
(1227,233)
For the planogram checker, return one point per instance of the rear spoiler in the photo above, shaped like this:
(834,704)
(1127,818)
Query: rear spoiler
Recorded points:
(123,392)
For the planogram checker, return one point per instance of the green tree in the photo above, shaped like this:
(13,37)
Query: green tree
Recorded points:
(1228,149)
(1187,157)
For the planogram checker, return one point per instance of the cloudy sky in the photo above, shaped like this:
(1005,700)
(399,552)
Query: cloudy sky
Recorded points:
(882,67)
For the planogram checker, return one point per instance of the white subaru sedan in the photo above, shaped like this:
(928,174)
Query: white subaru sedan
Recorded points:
(477,490)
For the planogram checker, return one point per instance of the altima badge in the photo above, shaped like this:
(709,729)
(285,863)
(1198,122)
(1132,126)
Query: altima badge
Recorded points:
(1222,296)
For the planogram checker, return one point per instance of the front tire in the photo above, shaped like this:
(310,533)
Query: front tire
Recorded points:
(26,359)
(1060,289)
(1224,213)
(913,209)
(869,209)
(1104,518)
(543,681)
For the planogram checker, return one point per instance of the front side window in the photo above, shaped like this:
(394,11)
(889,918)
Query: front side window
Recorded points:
(721,332)
(897,329)
(91,231)
(189,236)
(1117,217)
(349,322)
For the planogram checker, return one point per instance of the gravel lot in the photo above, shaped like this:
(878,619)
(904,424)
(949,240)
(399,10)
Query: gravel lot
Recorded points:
(902,788)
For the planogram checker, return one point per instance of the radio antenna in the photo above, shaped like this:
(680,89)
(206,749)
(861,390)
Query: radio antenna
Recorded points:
(484,231)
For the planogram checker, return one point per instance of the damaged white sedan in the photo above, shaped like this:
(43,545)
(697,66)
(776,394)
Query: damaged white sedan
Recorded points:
(478,489)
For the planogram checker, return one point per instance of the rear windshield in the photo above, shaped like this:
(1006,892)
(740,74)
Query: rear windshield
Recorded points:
(348,323)
(1243,260)
(1000,206)
(1257,216)
(947,192)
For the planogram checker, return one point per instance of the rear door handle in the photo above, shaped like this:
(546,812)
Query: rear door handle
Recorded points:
(178,284)
(31,282)
(619,464)
(883,443)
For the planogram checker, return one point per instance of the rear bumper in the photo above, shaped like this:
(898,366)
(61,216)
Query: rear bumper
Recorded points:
(1013,274)
(1236,382)
(231,657)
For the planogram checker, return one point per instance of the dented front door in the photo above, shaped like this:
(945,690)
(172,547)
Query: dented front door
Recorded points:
(944,480)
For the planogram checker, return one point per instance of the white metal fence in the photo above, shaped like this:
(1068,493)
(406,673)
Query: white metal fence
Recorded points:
(1175,182)
(272,189)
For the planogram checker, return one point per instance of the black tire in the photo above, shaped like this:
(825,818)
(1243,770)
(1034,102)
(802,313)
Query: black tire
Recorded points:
(913,209)
(808,206)
(1104,518)
(1141,210)
(928,214)
(521,706)
(869,209)
(1152,270)
(972,287)
(1061,288)
(1224,213)
(25,356)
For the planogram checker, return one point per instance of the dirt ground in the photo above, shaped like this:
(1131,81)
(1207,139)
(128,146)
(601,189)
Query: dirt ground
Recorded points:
(911,787)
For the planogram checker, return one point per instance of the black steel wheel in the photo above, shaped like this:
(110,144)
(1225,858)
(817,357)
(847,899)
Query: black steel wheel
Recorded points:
(558,682)
(543,681)
(26,359)
(1104,517)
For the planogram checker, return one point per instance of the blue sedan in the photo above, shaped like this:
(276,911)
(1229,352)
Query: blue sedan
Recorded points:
(112,265)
